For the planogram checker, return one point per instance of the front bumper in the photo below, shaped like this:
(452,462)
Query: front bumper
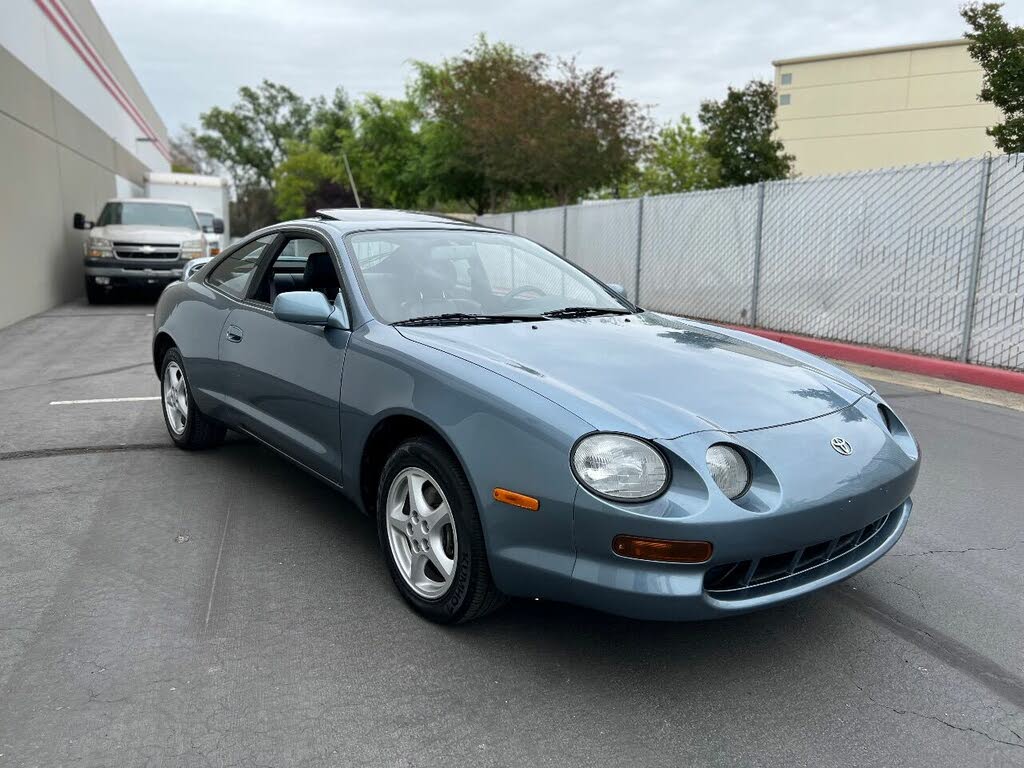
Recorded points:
(828,517)
(136,274)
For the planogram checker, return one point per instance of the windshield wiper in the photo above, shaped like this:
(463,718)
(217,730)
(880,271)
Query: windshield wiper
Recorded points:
(586,311)
(465,318)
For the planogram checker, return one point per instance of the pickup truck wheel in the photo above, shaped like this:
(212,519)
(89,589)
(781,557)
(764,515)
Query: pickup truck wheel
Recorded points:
(95,294)
(187,426)
(430,533)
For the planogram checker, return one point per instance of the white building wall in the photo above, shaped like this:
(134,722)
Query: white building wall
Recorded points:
(69,123)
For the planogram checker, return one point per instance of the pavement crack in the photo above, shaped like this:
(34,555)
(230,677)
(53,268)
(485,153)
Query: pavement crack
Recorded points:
(79,450)
(104,372)
(956,551)
(997,679)
(925,716)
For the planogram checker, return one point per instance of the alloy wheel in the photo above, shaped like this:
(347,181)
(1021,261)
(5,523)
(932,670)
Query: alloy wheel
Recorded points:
(421,533)
(175,394)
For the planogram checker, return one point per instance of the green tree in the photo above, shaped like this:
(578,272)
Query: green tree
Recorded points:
(251,138)
(999,49)
(678,161)
(387,154)
(739,135)
(500,122)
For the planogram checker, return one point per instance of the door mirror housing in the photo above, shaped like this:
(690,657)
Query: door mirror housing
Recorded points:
(80,222)
(619,289)
(218,225)
(308,308)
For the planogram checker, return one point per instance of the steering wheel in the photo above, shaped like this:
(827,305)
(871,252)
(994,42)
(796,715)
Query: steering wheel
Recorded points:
(522,289)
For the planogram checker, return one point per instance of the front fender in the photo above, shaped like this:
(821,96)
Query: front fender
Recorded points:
(504,435)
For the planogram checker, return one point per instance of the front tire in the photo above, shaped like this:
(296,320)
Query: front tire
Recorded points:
(187,426)
(430,533)
(95,294)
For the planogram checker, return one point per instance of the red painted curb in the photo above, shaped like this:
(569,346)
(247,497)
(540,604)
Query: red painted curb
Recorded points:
(982,376)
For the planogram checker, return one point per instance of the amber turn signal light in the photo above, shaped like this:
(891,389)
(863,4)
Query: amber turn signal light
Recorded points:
(662,550)
(516,499)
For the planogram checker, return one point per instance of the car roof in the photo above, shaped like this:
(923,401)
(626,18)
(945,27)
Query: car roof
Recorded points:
(353,219)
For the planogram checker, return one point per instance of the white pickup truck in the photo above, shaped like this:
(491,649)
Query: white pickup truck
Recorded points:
(140,243)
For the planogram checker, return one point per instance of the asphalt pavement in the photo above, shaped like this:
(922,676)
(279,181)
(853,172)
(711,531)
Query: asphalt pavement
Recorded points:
(222,608)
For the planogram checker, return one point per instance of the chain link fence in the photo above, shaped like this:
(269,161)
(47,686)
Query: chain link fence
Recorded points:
(926,259)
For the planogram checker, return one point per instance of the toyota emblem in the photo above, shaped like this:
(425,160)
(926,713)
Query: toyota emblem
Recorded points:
(840,446)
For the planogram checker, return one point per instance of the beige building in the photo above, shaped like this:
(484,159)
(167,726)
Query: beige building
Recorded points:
(882,107)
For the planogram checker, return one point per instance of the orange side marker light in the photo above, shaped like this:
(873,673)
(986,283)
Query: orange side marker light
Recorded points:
(516,499)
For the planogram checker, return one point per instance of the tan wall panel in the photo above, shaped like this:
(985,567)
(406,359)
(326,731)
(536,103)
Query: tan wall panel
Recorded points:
(949,89)
(832,71)
(974,116)
(24,96)
(847,98)
(930,61)
(32,247)
(854,153)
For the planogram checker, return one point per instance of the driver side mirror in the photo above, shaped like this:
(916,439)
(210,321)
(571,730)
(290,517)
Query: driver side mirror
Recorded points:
(218,226)
(80,222)
(619,289)
(307,308)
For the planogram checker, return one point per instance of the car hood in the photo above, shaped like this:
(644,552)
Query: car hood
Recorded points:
(653,375)
(137,233)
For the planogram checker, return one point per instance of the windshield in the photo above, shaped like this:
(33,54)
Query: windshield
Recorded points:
(407,274)
(206,220)
(148,214)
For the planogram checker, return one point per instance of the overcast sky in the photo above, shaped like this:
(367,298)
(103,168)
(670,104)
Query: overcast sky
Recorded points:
(192,54)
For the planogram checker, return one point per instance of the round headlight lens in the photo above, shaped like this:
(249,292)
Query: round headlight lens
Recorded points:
(620,467)
(729,470)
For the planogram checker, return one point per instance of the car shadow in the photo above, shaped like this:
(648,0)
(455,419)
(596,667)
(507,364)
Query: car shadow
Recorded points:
(546,627)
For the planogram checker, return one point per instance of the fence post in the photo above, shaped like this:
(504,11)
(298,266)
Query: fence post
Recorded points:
(565,236)
(979,239)
(513,222)
(639,246)
(758,229)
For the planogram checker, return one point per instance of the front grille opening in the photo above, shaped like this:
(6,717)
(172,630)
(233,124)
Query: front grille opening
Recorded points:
(748,574)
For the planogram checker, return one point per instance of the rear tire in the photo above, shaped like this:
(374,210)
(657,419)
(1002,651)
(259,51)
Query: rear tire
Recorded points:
(187,426)
(431,535)
(94,294)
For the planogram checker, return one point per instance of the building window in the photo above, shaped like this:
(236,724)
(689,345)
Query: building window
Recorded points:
(784,99)
(787,79)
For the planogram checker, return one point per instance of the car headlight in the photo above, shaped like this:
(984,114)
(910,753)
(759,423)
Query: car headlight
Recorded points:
(620,467)
(729,470)
(193,249)
(99,248)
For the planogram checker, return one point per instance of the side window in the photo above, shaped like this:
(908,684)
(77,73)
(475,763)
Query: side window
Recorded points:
(304,264)
(232,274)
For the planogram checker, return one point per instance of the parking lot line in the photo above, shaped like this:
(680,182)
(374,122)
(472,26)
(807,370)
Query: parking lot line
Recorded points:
(105,400)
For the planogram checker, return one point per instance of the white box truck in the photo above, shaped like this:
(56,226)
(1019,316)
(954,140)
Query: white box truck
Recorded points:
(209,197)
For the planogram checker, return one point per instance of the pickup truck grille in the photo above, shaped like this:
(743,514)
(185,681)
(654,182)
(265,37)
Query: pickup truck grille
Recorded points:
(147,250)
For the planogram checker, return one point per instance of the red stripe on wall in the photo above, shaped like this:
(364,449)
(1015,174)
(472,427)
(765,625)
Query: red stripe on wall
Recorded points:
(80,45)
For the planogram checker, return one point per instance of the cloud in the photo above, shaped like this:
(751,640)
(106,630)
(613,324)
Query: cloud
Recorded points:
(191,55)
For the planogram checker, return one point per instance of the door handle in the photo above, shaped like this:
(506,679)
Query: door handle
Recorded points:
(234,333)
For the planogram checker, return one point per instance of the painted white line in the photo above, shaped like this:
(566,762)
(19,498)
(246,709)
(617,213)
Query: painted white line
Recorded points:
(105,400)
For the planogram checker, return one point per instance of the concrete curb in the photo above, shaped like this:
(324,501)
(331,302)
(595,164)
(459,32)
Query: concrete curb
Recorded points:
(979,375)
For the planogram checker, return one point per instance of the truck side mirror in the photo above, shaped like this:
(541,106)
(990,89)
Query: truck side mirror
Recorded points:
(80,222)
(218,226)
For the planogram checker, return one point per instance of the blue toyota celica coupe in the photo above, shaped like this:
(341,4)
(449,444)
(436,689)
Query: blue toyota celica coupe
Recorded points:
(517,427)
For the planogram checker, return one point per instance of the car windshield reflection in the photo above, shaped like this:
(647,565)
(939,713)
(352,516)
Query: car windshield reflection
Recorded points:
(448,277)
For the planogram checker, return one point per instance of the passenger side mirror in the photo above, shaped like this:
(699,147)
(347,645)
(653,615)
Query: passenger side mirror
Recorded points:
(619,289)
(80,222)
(307,308)
(218,226)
